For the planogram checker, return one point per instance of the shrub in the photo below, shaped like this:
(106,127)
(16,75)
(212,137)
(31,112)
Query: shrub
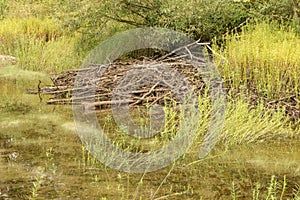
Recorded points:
(203,19)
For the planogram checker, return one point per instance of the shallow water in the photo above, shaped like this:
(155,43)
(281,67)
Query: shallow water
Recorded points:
(42,157)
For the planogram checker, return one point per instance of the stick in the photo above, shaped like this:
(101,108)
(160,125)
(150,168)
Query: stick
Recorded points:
(149,92)
(87,106)
(281,99)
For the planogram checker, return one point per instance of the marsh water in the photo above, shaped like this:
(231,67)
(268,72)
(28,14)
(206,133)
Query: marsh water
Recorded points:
(42,157)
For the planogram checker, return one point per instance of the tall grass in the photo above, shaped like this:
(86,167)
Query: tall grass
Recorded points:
(248,125)
(39,45)
(265,56)
(12,28)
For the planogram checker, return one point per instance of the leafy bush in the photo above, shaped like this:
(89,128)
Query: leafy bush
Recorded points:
(203,19)
(200,19)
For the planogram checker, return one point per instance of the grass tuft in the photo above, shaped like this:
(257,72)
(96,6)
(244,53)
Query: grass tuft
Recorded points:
(265,56)
(38,44)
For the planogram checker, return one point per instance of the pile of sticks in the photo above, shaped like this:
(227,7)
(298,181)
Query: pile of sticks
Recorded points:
(104,84)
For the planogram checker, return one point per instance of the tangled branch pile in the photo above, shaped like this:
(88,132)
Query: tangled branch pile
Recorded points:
(106,78)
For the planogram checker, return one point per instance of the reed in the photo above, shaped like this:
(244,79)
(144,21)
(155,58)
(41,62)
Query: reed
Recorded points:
(38,45)
(264,56)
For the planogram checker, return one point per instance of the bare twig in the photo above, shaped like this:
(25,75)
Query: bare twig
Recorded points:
(146,94)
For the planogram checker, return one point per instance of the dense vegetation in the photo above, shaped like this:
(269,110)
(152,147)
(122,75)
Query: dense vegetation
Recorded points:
(84,23)
(255,44)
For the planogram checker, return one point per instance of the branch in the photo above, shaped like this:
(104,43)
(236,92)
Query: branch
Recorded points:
(133,23)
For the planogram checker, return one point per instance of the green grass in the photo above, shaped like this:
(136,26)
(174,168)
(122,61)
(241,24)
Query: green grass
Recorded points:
(265,56)
(38,44)
(247,125)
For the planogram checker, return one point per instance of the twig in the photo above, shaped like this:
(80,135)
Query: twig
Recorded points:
(165,178)
(159,98)
(87,106)
(124,21)
(169,195)
(281,99)
(149,92)
(178,49)
(39,90)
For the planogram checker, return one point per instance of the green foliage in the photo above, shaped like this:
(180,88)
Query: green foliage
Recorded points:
(245,125)
(203,19)
(264,56)
(54,56)
(39,29)
(38,44)
(269,190)
(52,36)
(96,20)
(3,8)
(199,19)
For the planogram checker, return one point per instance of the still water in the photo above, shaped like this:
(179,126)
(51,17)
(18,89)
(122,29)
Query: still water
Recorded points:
(42,157)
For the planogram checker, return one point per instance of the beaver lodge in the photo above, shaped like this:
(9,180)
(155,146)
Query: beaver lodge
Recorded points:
(140,84)
(97,86)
